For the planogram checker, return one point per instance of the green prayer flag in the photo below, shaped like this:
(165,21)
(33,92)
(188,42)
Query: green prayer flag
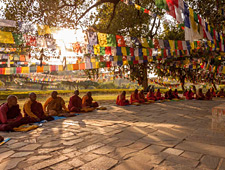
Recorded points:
(130,62)
(120,58)
(150,43)
(196,17)
(128,51)
(162,4)
(142,9)
(111,40)
(18,38)
(102,50)
(102,64)
(176,45)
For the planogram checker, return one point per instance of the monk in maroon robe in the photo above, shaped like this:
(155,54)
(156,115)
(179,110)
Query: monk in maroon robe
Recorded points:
(200,95)
(10,115)
(34,110)
(151,95)
(212,92)
(141,96)
(134,98)
(158,95)
(208,95)
(75,103)
(175,94)
(189,95)
(121,99)
(169,95)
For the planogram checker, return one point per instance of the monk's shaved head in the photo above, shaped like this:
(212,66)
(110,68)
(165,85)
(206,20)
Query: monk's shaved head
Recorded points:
(76,92)
(89,94)
(54,94)
(12,100)
(10,97)
(33,96)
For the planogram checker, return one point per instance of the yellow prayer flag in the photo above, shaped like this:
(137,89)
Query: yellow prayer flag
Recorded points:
(124,51)
(144,50)
(136,58)
(60,67)
(25,70)
(97,64)
(144,42)
(93,59)
(138,7)
(69,67)
(172,44)
(192,20)
(6,37)
(7,71)
(96,49)
(115,58)
(125,62)
(223,70)
(102,39)
(43,29)
(192,45)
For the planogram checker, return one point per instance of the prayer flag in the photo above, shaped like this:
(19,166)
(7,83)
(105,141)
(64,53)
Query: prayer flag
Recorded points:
(120,41)
(6,37)
(111,40)
(92,38)
(102,39)
(7,23)
(162,4)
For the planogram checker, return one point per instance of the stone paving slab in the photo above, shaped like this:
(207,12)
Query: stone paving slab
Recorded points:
(169,135)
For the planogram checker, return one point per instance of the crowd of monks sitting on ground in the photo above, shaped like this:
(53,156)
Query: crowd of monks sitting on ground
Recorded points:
(11,116)
(139,97)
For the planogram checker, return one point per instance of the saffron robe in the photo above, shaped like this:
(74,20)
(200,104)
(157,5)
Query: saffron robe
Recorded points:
(35,110)
(88,102)
(55,106)
(75,104)
(121,100)
(175,95)
(200,96)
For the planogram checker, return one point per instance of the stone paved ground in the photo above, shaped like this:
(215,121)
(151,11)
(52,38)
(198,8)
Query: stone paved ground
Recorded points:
(170,135)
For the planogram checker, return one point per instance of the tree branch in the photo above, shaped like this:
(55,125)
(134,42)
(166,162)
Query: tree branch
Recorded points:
(113,14)
(95,5)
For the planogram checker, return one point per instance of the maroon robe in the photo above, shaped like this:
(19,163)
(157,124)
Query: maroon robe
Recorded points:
(75,104)
(11,117)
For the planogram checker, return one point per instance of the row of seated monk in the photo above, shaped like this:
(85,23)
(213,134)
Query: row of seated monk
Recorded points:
(199,95)
(139,97)
(11,116)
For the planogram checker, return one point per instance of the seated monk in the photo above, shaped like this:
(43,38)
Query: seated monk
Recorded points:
(175,94)
(75,103)
(185,92)
(121,99)
(87,101)
(169,95)
(189,95)
(221,93)
(10,115)
(141,96)
(34,109)
(208,95)
(158,95)
(134,98)
(54,106)
(212,92)
(200,95)
(151,95)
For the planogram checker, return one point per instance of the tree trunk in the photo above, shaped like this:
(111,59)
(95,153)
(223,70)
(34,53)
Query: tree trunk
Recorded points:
(145,78)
